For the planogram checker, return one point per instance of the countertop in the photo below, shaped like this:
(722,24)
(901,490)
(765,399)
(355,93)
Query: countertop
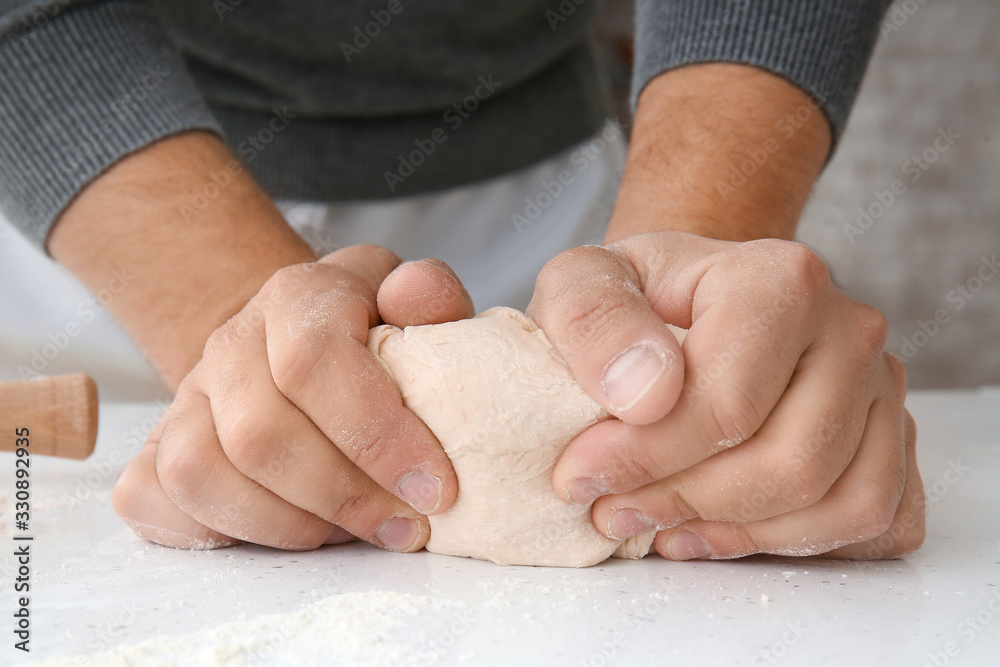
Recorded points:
(96,588)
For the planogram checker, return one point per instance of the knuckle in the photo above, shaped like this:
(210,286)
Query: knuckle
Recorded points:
(249,443)
(734,415)
(549,279)
(127,489)
(902,538)
(803,268)
(552,279)
(871,514)
(792,268)
(349,509)
(287,281)
(897,372)
(806,482)
(375,256)
(305,533)
(681,508)
(290,368)
(625,470)
(741,542)
(180,467)
(870,330)
(911,538)
(293,365)
(296,288)
(369,448)
(590,323)
(219,343)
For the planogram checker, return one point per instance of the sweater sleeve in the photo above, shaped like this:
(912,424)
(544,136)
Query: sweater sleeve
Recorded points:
(822,46)
(82,84)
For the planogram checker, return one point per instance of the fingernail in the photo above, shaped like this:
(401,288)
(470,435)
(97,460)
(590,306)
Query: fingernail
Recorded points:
(685,545)
(398,533)
(421,490)
(623,524)
(583,491)
(630,375)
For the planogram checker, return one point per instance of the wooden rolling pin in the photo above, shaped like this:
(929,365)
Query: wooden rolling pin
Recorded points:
(60,414)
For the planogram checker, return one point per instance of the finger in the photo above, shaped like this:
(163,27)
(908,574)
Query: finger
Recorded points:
(424,292)
(803,447)
(371,263)
(859,507)
(909,527)
(339,536)
(739,356)
(319,361)
(142,504)
(273,443)
(590,304)
(196,475)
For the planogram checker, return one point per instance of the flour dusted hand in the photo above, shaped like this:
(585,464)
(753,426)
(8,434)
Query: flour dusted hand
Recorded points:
(288,432)
(504,406)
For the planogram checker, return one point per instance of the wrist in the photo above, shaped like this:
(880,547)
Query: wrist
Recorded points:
(190,249)
(720,150)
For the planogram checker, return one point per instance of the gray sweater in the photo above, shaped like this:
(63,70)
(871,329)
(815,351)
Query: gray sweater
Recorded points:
(339,100)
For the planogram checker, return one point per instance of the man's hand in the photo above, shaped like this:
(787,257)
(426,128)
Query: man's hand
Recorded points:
(781,427)
(789,435)
(288,431)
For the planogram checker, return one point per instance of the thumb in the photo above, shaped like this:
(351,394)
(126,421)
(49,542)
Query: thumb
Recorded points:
(423,292)
(590,304)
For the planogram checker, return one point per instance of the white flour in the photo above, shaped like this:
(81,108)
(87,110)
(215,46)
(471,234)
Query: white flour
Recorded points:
(346,629)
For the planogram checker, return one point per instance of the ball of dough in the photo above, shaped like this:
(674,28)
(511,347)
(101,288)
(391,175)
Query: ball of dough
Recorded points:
(504,406)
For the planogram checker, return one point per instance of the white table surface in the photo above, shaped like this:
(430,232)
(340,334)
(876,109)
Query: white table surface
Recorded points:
(96,586)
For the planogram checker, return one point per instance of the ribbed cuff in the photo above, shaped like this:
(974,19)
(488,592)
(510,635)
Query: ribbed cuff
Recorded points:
(822,46)
(77,93)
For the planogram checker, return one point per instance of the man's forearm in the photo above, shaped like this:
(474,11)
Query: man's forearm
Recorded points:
(183,251)
(721,150)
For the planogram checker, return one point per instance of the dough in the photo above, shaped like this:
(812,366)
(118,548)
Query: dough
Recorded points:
(504,406)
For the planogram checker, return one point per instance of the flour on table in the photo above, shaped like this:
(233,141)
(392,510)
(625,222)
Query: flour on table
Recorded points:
(504,406)
(346,629)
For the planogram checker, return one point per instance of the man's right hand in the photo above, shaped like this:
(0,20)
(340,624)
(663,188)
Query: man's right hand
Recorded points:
(283,425)
(288,432)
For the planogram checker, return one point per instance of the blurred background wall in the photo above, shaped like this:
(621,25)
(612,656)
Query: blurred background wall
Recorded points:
(926,258)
